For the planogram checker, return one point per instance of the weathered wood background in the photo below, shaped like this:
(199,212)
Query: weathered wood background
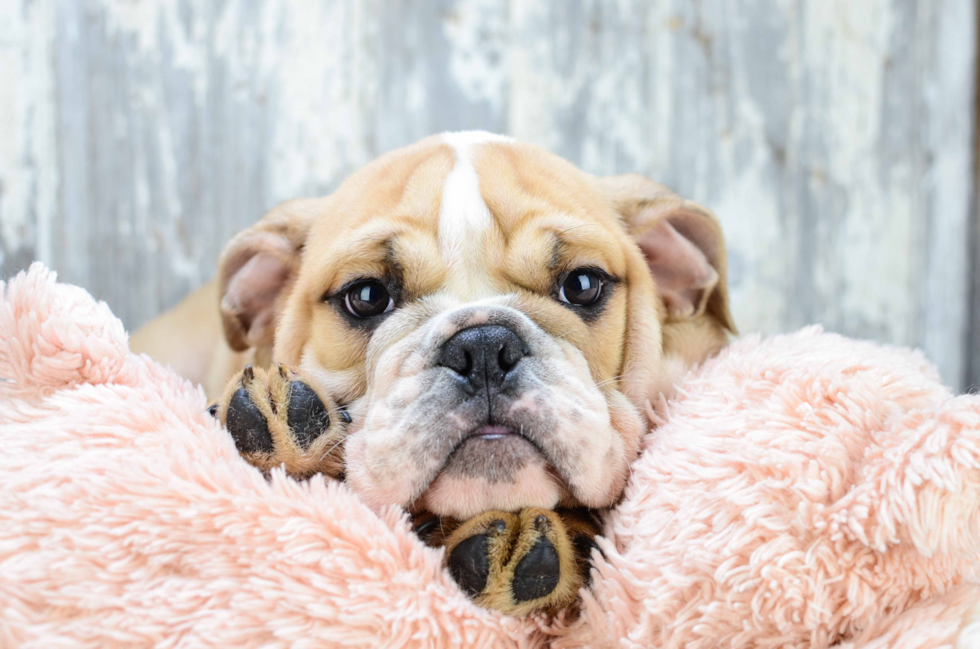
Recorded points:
(834,138)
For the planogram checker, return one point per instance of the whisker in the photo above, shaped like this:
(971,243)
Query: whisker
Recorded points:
(576,227)
(609,380)
(330,450)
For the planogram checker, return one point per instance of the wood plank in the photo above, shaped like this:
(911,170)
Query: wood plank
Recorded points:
(182,123)
(832,138)
(441,67)
(972,351)
(28,168)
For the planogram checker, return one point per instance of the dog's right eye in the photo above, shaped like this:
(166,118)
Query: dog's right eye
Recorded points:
(582,287)
(368,298)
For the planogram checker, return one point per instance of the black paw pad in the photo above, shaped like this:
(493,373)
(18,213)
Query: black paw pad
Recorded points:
(308,417)
(537,573)
(469,564)
(247,425)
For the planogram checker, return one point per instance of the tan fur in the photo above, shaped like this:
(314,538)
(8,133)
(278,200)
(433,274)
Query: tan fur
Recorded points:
(268,390)
(509,546)
(399,192)
(536,218)
(190,339)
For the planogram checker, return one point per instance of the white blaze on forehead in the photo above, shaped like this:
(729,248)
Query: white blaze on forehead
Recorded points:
(464,216)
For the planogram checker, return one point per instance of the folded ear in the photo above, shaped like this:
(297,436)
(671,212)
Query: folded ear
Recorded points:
(683,245)
(256,269)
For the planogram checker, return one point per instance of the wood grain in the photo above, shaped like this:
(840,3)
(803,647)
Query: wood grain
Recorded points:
(834,138)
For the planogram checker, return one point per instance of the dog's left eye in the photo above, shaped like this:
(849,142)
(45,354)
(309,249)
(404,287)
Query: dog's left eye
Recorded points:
(368,298)
(581,287)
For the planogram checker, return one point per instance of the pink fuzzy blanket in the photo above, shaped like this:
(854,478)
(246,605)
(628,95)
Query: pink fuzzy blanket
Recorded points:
(805,490)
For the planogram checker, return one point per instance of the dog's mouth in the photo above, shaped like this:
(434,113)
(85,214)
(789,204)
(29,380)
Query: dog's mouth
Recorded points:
(493,467)
(490,433)
(492,452)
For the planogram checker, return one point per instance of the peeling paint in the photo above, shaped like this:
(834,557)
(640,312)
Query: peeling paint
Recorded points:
(476,32)
(831,138)
(28,172)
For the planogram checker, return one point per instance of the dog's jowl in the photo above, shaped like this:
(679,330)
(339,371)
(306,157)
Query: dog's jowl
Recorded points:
(469,328)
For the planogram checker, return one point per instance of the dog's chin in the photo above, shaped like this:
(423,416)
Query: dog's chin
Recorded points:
(494,469)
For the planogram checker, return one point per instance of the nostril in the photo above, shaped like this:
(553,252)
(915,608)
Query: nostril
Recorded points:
(486,353)
(511,352)
(507,359)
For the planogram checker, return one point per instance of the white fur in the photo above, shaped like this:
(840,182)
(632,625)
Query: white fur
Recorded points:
(464,217)
(396,450)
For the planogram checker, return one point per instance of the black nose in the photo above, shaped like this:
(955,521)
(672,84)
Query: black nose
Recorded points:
(484,354)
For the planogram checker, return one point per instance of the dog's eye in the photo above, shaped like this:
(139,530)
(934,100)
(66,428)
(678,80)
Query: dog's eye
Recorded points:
(368,298)
(581,288)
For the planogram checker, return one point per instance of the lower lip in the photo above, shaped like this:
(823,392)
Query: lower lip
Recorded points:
(493,432)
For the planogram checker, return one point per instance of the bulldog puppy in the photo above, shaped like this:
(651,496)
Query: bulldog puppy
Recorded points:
(472,329)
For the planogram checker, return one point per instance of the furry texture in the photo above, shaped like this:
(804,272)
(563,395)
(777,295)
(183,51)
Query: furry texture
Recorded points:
(804,490)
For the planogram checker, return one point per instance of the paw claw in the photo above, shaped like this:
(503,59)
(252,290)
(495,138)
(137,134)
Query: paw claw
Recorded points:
(213,410)
(424,528)
(342,411)
(584,545)
(248,374)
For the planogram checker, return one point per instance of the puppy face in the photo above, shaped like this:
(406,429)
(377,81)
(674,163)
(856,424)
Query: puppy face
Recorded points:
(486,313)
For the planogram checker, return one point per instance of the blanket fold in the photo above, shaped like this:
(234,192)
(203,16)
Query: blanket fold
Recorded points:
(805,490)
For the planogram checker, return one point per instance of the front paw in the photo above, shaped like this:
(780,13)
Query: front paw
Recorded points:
(533,561)
(278,419)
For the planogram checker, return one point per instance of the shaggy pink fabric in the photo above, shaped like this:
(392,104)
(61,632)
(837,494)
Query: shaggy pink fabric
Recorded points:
(805,490)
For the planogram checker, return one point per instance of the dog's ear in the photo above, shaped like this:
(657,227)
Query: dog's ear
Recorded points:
(683,245)
(257,267)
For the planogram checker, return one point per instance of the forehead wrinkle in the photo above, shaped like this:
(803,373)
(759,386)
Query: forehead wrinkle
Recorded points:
(388,183)
(363,253)
(550,245)
(526,259)
(542,177)
(397,191)
(416,255)
(523,184)
(584,241)
(421,200)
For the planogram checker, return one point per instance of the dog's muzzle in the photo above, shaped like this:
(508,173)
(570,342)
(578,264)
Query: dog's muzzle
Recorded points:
(479,408)
(484,358)
(486,363)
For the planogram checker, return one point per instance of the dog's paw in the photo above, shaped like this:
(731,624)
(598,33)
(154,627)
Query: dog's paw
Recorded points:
(278,419)
(532,561)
